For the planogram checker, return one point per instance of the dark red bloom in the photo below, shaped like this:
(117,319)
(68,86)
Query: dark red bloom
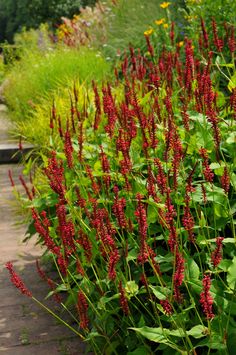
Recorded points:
(207,172)
(150,47)
(178,275)
(161,177)
(225,180)
(25,187)
(217,41)
(82,307)
(188,220)
(205,35)
(118,209)
(141,217)
(16,280)
(55,174)
(105,168)
(86,245)
(68,148)
(94,185)
(43,231)
(123,299)
(206,299)
(216,255)
(65,228)
(166,307)
(97,105)
(172,33)
(113,260)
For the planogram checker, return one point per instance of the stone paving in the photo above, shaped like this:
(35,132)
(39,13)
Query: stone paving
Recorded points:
(25,328)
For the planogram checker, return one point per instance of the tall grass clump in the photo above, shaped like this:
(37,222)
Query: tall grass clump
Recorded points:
(38,74)
(136,205)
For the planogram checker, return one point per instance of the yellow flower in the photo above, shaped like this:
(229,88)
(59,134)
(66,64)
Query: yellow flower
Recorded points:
(160,22)
(148,32)
(164,5)
(165,25)
(180,44)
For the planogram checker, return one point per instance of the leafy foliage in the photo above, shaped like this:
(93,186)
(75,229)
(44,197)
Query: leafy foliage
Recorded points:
(16,14)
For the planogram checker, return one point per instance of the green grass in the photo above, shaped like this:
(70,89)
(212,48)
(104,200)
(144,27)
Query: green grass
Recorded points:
(129,19)
(37,75)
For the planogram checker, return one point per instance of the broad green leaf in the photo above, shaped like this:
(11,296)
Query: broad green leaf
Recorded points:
(192,270)
(132,255)
(198,331)
(231,276)
(159,335)
(159,292)
(153,334)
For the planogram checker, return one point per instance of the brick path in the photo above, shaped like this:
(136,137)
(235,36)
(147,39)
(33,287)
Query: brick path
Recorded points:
(25,328)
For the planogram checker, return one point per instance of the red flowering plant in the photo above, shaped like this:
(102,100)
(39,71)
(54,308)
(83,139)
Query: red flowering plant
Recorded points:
(138,214)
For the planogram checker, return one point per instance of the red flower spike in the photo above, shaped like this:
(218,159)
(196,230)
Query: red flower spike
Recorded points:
(118,209)
(217,41)
(150,47)
(207,172)
(123,299)
(25,187)
(82,307)
(216,255)
(55,174)
(205,35)
(225,180)
(16,280)
(161,177)
(178,275)
(166,307)
(206,299)
(68,148)
(172,33)
(97,105)
(105,168)
(94,185)
(188,220)
(79,268)
(86,245)
(44,232)
(113,260)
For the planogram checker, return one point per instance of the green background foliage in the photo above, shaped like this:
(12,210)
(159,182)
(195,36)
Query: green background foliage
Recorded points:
(16,14)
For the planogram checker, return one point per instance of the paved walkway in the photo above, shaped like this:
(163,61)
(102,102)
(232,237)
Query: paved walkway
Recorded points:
(25,328)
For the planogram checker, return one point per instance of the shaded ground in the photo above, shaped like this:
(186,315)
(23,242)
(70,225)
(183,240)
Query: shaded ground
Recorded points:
(25,328)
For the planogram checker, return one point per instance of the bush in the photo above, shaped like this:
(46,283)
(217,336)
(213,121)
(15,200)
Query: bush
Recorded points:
(137,206)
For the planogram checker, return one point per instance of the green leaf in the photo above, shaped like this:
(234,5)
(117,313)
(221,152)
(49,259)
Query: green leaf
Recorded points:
(142,350)
(231,276)
(192,270)
(232,82)
(153,334)
(131,288)
(159,335)
(159,292)
(198,331)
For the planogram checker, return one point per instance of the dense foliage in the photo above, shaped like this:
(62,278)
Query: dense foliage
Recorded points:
(136,203)
(16,14)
